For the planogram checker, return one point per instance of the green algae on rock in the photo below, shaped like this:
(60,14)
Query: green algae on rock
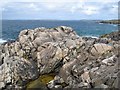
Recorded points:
(41,81)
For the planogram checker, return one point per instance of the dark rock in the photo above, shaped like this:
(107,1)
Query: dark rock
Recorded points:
(113,36)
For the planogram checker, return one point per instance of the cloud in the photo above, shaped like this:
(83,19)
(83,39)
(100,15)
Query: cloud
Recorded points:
(20,6)
(33,7)
(85,8)
(89,10)
(114,9)
(60,8)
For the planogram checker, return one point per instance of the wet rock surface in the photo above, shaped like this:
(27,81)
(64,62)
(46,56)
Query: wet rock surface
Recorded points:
(77,62)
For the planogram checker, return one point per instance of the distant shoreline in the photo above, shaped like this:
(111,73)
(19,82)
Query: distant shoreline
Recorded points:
(110,21)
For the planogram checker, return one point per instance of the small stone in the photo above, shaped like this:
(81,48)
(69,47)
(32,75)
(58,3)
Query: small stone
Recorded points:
(51,84)
(58,86)
(2,85)
(97,81)
(109,61)
(23,39)
(59,54)
(85,76)
(8,79)
(71,44)
(94,69)
(102,86)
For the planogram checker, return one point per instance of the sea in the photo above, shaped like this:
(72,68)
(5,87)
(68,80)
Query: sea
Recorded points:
(89,28)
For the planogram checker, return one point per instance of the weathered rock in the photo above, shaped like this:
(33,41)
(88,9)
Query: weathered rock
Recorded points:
(51,84)
(85,76)
(58,86)
(100,48)
(23,39)
(23,32)
(109,61)
(66,69)
(70,44)
(39,41)
(94,69)
(113,35)
(58,79)
(102,86)
(62,52)
(2,85)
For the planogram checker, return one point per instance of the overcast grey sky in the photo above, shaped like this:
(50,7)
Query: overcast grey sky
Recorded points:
(59,9)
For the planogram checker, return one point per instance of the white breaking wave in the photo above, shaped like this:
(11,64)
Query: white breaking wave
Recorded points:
(91,36)
(2,41)
(115,25)
(101,23)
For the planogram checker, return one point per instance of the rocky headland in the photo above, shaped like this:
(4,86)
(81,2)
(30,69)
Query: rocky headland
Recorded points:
(59,58)
(110,21)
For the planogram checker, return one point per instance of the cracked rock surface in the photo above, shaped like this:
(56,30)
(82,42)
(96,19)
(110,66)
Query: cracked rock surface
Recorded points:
(77,62)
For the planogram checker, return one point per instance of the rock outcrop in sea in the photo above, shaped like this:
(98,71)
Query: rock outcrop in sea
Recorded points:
(73,61)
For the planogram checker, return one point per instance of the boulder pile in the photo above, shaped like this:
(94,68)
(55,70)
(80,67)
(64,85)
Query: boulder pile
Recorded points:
(77,62)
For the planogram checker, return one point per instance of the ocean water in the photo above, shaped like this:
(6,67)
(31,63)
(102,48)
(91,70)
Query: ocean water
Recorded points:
(11,28)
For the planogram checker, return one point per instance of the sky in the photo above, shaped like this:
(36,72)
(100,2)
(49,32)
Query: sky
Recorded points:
(59,9)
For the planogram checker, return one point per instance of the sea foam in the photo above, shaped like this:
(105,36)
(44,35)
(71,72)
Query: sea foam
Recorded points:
(2,41)
(91,36)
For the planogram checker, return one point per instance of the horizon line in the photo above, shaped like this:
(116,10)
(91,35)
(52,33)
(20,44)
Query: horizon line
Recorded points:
(60,19)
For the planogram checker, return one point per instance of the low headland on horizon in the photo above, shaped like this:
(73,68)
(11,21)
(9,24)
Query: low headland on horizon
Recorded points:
(110,21)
